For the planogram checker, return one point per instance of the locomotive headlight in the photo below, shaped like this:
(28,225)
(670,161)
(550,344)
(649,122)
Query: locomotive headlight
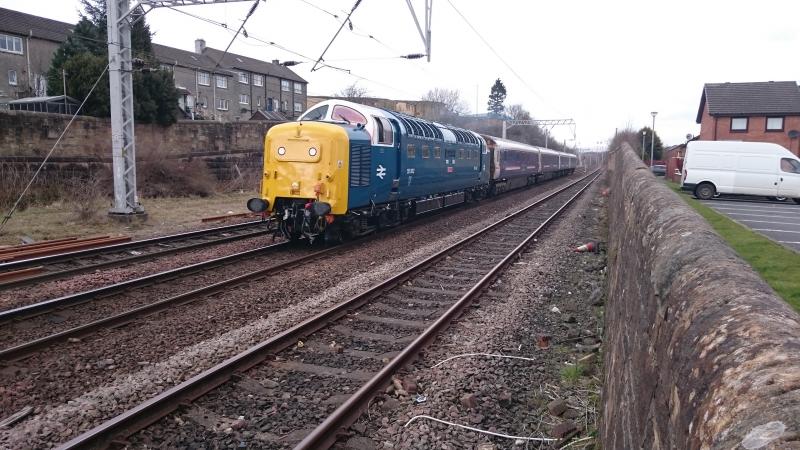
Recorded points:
(312,151)
(281,151)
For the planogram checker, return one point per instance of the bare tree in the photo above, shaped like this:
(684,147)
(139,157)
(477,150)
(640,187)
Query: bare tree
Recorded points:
(351,92)
(517,112)
(450,98)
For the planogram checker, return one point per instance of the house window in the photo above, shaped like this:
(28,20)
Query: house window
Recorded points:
(270,104)
(298,107)
(222,104)
(11,44)
(285,85)
(285,105)
(258,102)
(738,123)
(774,123)
(244,99)
(258,80)
(222,82)
(244,78)
(203,78)
(166,67)
(298,88)
(12,77)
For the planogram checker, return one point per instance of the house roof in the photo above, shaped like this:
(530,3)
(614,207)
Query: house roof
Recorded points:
(251,64)
(22,24)
(192,60)
(761,98)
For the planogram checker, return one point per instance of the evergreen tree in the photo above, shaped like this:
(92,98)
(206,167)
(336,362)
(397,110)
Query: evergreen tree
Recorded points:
(497,97)
(84,55)
(658,148)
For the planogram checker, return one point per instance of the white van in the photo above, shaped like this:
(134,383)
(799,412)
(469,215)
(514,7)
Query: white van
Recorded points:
(747,168)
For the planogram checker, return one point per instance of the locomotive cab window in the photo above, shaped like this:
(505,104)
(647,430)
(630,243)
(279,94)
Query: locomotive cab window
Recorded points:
(411,151)
(384,134)
(317,113)
(348,115)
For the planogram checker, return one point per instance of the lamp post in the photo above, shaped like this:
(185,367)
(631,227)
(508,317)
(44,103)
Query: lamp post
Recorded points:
(644,133)
(653,139)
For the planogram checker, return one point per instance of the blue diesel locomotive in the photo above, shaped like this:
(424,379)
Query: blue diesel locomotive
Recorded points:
(346,169)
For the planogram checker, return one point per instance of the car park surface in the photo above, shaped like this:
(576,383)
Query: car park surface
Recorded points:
(779,221)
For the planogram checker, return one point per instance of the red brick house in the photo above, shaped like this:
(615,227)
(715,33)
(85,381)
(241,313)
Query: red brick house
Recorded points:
(764,111)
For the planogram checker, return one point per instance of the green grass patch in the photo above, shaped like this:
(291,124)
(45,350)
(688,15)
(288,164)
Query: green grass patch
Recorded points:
(571,374)
(778,265)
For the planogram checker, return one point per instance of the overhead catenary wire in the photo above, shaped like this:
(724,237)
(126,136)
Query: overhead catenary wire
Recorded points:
(355,6)
(7,217)
(241,27)
(508,66)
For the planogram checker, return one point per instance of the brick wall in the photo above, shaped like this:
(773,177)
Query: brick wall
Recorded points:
(700,352)
(719,129)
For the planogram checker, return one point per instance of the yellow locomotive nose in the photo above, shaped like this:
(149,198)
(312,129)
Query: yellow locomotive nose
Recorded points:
(305,161)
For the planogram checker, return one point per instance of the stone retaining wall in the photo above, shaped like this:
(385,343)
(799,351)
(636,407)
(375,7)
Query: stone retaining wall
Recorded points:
(700,352)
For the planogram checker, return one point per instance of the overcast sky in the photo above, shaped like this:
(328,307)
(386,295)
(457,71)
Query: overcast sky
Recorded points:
(605,64)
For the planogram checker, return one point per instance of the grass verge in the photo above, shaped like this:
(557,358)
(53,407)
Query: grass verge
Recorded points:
(778,265)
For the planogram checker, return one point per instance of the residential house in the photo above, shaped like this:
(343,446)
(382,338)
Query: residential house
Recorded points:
(213,84)
(763,111)
(27,46)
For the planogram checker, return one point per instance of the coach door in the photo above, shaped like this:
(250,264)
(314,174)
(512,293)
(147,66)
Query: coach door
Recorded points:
(384,160)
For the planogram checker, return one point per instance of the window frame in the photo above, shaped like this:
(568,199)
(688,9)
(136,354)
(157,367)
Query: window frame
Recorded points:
(285,105)
(746,125)
(246,97)
(772,130)
(244,76)
(207,76)
(298,88)
(11,38)
(221,81)
(221,102)
(792,162)
(16,77)
(426,152)
(411,151)
(437,152)
(336,107)
(285,86)
(298,107)
(258,80)
(383,129)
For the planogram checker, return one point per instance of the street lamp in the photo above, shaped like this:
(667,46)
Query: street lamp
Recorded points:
(644,133)
(652,139)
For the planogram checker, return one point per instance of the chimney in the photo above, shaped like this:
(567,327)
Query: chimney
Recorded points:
(276,61)
(199,46)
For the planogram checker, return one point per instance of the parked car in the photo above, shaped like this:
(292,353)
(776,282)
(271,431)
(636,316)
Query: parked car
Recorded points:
(659,170)
(743,168)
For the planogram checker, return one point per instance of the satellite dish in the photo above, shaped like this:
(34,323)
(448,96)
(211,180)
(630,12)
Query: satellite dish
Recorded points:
(794,134)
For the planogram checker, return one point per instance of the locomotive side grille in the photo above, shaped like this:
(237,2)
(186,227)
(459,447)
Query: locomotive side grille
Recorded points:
(360,163)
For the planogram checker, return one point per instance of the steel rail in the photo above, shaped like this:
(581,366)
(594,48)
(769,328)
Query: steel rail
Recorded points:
(325,434)
(161,405)
(62,257)
(35,309)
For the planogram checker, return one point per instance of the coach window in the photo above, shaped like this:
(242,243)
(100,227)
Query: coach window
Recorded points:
(411,151)
(348,115)
(426,152)
(774,123)
(384,135)
(437,152)
(739,124)
(316,113)
(790,165)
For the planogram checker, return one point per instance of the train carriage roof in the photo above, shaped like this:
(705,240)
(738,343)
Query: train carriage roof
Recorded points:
(413,126)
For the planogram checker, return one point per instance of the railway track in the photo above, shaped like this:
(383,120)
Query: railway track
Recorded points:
(326,369)
(38,269)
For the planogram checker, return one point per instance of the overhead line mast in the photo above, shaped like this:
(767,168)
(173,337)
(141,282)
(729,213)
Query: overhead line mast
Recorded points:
(120,68)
